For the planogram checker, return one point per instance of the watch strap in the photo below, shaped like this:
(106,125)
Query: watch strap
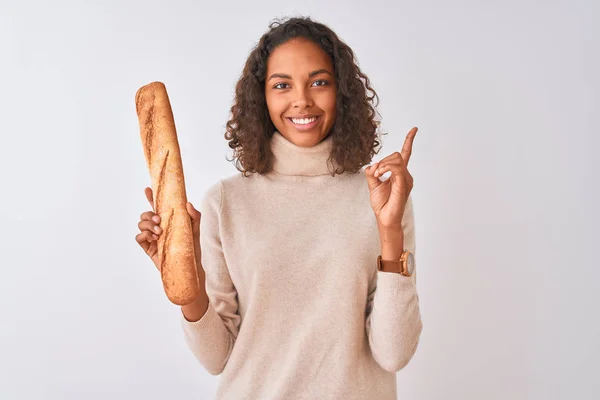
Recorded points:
(389,265)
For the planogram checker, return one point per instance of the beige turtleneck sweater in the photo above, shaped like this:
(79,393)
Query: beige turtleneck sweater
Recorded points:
(297,307)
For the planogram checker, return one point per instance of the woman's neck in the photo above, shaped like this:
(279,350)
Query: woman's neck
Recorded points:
(291,159)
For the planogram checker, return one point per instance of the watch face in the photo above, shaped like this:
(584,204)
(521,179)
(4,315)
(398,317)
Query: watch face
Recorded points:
(410,263)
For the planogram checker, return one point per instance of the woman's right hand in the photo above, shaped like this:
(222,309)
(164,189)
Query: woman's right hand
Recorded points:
(148,239)
(149,230)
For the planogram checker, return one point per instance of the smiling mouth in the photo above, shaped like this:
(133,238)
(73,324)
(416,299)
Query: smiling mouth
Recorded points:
(304,123)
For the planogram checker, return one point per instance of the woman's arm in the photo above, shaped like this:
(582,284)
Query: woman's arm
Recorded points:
(211,324)
(393,320)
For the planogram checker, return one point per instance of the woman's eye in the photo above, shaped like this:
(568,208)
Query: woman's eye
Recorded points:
(284,85)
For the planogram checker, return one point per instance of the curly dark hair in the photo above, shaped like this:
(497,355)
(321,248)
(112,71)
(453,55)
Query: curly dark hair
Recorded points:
(355,130)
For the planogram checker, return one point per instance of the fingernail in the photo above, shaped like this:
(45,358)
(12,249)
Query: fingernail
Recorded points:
(157,229)
(156,219)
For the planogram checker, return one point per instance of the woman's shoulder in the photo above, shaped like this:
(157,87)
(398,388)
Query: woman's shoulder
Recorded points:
(228,184)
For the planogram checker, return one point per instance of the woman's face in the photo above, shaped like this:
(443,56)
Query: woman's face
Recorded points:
(300,90)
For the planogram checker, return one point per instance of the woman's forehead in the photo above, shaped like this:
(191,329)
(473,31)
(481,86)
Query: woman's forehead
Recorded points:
(300,55)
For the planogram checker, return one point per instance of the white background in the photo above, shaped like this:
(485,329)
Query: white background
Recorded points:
(506,169)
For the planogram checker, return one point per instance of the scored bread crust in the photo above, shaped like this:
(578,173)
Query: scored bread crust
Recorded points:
(163,159)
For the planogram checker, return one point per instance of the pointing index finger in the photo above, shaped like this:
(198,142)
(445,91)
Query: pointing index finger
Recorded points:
(408,142)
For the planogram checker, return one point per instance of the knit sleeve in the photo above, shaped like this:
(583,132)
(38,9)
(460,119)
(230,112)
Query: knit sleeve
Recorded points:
(393,321)
(211,339)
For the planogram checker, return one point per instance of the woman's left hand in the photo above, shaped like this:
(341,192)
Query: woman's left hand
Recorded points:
(389,198)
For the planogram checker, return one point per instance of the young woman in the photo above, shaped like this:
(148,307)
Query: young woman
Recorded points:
(307,259)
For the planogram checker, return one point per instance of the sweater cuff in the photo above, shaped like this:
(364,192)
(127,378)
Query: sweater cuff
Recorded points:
(392,282)
(209,318)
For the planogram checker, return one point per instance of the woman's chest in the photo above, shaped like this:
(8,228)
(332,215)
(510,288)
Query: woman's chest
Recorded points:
(310,243)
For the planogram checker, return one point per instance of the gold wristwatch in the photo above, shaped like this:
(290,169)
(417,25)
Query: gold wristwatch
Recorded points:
(405,265)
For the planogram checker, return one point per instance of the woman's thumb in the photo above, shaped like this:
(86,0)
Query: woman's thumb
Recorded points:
(194,214)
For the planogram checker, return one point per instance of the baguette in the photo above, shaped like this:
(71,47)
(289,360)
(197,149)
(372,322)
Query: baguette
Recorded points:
(163,159)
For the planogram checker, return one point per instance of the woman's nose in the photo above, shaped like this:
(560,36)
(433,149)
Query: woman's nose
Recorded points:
(303,99)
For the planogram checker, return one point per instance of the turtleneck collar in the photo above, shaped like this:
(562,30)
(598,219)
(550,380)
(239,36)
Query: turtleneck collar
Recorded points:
(291,159)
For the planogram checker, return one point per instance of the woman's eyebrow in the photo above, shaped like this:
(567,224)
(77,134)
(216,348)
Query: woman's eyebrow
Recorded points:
(284,76)
(319,71)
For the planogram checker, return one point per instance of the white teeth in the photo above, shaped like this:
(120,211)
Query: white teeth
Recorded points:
(303,121)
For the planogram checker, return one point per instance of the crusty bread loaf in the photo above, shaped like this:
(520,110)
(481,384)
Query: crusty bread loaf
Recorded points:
(161,149)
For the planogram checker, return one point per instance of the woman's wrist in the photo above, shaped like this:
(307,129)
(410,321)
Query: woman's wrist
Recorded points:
(392,244)
(195,310)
